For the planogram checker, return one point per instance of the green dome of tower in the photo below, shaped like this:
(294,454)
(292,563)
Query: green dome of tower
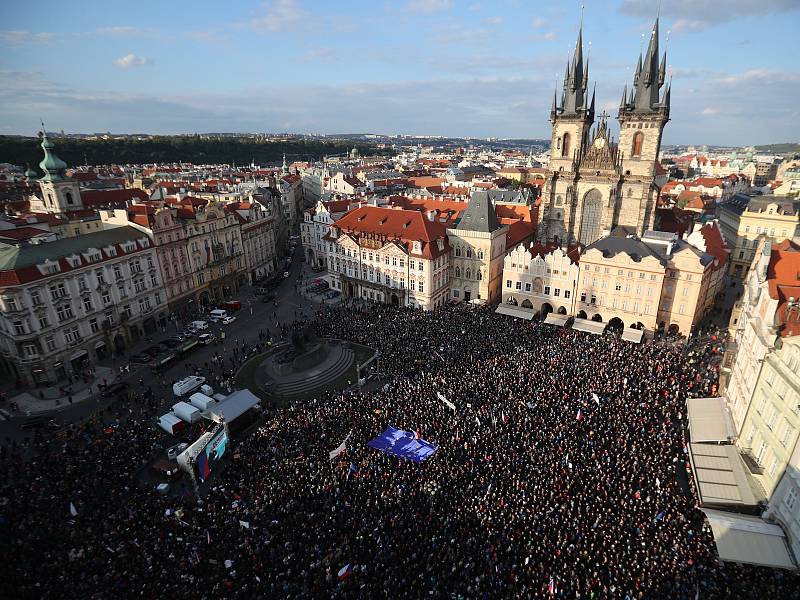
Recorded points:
(52,166)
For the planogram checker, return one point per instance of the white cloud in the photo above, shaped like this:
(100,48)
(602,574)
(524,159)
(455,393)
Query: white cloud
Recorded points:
(319,54)
(131,60)
(281,14)
(25,36)
(539,22)
(696,15)
(429,6)
(710,111)
(119,30)
(549,36)
(493,20)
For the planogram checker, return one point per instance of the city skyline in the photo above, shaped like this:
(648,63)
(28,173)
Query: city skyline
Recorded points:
(462,69)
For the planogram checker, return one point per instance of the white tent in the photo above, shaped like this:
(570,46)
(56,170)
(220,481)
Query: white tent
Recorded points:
(750,540)
(595,327)
(513,311)
(556,319)
(709,420)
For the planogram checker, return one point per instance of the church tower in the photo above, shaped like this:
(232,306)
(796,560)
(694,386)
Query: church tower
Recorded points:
(60,194)
(571,118)
(642,116)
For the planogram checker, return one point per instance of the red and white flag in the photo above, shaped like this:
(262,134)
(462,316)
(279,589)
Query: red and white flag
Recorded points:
(579,416)
(551,587)
(345,571)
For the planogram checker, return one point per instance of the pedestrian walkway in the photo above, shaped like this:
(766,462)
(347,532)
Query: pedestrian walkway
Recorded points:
(55,397)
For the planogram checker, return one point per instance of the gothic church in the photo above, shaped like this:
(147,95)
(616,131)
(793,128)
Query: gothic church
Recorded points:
(594,184)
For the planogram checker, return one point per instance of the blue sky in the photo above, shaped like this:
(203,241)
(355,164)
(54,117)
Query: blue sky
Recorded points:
(441,67)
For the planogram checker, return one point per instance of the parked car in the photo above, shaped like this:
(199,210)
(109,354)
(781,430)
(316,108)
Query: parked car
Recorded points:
(228,320)
(206,338)
(141,359)
(173,342)
(187,335)
(116,390)
(232,305)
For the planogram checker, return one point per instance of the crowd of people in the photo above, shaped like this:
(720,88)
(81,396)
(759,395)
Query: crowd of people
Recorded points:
(560,473)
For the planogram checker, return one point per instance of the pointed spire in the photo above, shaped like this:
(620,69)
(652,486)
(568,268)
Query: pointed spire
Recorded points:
(591,106)
(624,100)
(555,106)
(662,69)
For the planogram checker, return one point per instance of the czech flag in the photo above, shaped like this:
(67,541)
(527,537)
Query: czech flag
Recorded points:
(551,588)
(345,571)
(579,415)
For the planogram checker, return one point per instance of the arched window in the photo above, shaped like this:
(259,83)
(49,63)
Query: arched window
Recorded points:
(480,254)
(638,139)
(458,272)
(591,215)
(458,250)
(467,274)
(565,145)
(469,252)
(68,196)
(480,276)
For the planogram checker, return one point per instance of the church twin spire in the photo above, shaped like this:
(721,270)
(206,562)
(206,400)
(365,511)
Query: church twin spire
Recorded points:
(574,98)
(648,80)
(645,94)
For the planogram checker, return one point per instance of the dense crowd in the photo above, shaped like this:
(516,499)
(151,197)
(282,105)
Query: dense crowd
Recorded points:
(561,473)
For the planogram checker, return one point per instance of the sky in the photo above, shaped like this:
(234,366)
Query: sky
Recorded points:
(419,67)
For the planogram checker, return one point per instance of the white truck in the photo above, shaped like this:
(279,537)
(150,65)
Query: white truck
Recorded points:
(187,385)
(201,401)
(186,412)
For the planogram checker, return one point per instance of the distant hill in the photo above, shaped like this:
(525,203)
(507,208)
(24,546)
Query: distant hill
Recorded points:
(169,149)
(786,148)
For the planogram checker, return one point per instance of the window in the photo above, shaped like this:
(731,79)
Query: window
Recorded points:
(456,293)
(791,499)
(386,259)
(57,291)
(144,305)
(402,263)
(641,275)
(547,290)
(87,304)
(557,292)
(386,279)
(469,252)
(411,265)
(19,327)
(480,254)
(106,298)
(618,287)
(72,335)
(117,272)
(30,350)
(413,285)
(81,283)
(64,312)
(50,342)
(565,145)
(421,286)
(35,298)
(43,322)
(593,299)
(583,297)
(93,325)
(567,294)
(421,266)
(508,283)
(519,285)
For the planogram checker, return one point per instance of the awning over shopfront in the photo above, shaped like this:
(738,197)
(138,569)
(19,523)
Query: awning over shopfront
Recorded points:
(750,540)
(556,319)
(721,477)
(629,334)
(595,327)
(513,311)
(709,420)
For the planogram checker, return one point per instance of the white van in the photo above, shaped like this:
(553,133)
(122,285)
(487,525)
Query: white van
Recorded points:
(217,314)
(187,385)
(198,325)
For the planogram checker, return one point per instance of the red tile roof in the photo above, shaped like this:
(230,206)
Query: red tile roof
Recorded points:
(100,198)
(390,223)
(783,276)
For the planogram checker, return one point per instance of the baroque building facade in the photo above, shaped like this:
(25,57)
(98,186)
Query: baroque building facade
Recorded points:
(593,183)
